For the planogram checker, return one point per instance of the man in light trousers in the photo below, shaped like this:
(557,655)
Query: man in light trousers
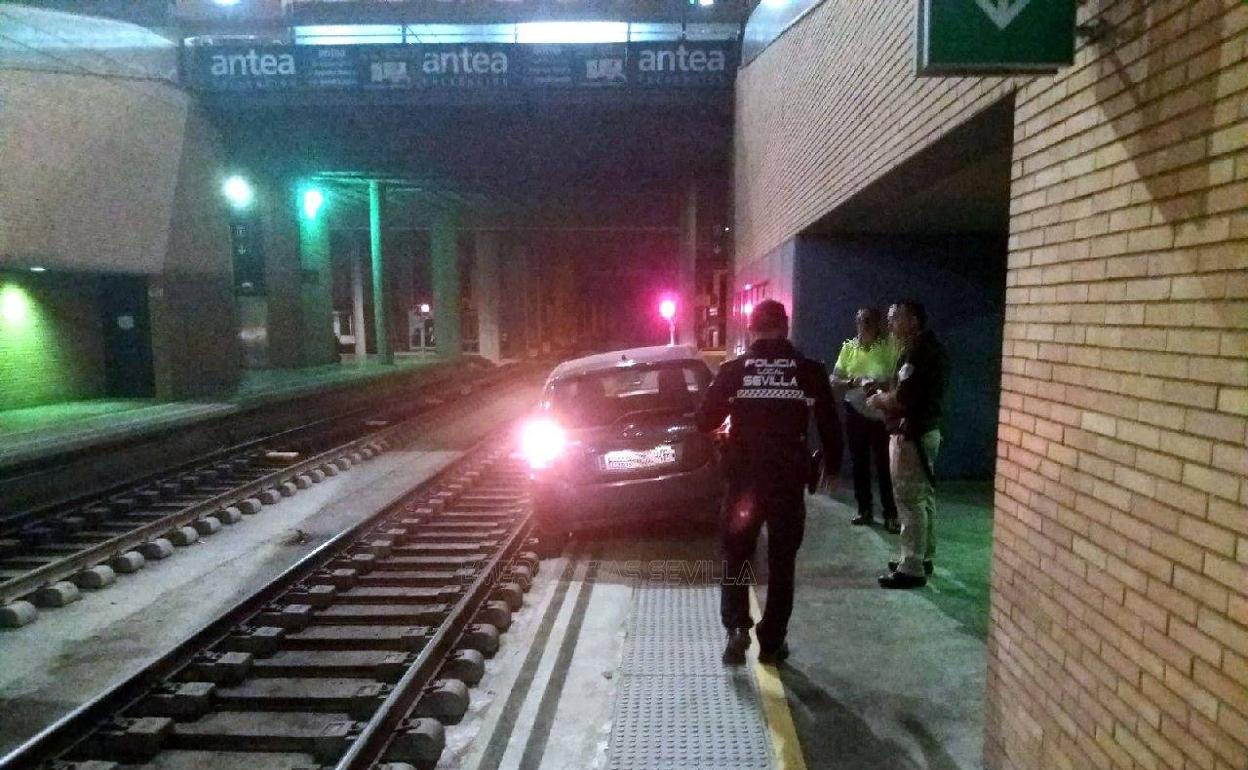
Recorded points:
(912,410)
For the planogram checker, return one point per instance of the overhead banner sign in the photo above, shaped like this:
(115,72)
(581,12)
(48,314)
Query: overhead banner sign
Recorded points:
(447,67)
(981,37)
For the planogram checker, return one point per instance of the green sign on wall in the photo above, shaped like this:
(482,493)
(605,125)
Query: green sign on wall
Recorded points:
(979,37)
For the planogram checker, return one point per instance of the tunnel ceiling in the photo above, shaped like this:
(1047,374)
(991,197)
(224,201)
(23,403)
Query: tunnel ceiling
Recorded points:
(958,184)
(561,166)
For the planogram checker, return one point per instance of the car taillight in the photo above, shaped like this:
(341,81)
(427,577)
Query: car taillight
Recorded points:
(542,441)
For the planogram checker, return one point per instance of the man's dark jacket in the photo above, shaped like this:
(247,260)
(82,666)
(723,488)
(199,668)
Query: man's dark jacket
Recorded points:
(771,393)
(921,373)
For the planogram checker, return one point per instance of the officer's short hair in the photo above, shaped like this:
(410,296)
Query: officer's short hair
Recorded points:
(916,311)
(769,316)
(873,317)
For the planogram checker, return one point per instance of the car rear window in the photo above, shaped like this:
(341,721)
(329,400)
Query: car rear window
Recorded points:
(602,398)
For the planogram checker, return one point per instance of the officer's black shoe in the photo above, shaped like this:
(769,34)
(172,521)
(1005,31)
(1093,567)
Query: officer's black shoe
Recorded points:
(928,567)
(891,526)
(738,643)
(774,657)
(862,520)
(901,580)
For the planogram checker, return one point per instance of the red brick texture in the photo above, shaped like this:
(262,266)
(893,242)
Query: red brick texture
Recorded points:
(1119,628)
(1119,615)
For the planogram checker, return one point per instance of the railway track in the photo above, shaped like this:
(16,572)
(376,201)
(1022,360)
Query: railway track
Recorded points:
(357,655)
(49,555)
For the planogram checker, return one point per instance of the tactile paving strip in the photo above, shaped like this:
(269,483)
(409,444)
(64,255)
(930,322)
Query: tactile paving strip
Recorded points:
(674,631)
(678,706)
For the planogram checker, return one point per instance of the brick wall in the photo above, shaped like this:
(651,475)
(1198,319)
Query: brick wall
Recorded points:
(1119,618)
(828,108)
(1119,610)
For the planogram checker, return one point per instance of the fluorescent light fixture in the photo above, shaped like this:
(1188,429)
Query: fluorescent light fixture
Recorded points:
(226,2)
(572,32)
(712,31)
(38,269)
(461,33)
(348,34)
(647,30)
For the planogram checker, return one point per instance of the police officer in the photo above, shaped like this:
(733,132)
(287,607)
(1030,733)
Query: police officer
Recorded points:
(770,394)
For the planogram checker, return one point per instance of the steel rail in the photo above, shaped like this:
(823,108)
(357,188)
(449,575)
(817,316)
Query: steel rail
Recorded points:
(90,556)
(369,747)
(10,522)
(76,727)
(31,581)
(25,467)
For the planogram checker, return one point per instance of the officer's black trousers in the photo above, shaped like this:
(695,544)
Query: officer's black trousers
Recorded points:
(782,507)
(868,443)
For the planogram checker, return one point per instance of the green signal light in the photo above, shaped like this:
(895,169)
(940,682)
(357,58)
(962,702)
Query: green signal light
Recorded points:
(238,192)
(14,305)
(313,199)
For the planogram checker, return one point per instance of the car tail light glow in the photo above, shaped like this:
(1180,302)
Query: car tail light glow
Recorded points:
(542,441)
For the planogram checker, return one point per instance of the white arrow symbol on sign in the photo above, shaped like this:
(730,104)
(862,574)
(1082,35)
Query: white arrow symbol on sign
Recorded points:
(1002,12)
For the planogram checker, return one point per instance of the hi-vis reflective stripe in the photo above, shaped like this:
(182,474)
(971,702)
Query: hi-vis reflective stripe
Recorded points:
(783,393)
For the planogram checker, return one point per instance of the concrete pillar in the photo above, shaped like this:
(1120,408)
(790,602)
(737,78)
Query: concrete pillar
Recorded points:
(537,304)
(687,274)
(486,283)
(401,265)
(319,345)
(525,285)
(357,302)
(273,321)
(562,326)
(518,293)
(376,202)
(512,300)
(444,248)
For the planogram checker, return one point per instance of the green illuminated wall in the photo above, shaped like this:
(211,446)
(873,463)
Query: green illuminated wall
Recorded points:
(51,344)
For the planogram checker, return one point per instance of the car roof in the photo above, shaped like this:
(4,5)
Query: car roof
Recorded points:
(598,362)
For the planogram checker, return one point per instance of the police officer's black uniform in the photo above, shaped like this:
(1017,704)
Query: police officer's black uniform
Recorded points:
(770,394)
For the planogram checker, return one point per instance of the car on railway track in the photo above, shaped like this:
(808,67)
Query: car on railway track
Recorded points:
(613,441)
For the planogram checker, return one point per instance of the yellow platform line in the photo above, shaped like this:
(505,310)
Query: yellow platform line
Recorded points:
(786,750)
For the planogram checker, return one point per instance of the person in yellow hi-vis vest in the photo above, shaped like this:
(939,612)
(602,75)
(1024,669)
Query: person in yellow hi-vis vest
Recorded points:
(866,365)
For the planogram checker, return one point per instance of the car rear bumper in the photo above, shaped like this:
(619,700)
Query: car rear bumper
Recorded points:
(568,506)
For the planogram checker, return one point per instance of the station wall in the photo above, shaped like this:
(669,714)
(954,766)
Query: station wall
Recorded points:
(959,279)
(104,174)
(1119,618)
(831,106)
(51,340)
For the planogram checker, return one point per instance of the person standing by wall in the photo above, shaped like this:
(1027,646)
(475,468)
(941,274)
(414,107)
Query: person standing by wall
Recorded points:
(912,414)
(865,365)
(770,394)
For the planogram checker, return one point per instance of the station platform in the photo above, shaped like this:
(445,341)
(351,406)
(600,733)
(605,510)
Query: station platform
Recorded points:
(616,662)
(38,432)
(613,661)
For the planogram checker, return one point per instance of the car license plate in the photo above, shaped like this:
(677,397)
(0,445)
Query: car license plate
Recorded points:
(632,460)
